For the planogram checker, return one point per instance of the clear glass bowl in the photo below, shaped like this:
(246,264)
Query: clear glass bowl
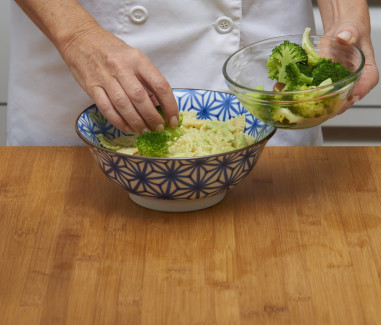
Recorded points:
(245,70)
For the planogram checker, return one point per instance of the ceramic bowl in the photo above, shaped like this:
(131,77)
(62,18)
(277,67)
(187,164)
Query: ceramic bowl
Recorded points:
(245,70)
(178,184)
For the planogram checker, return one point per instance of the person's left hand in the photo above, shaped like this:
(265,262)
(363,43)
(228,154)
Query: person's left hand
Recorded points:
(354,33)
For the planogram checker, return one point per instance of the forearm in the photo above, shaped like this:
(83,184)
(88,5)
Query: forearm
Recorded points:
(337,12)
(60,20)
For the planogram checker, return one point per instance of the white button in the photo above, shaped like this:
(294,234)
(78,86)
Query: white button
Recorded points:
(138,14)
(224,25)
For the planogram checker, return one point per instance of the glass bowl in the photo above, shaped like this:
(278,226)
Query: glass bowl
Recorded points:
(245,70)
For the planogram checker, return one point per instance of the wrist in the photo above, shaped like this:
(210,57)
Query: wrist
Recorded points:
(65,38)
(60,20)
(335,13)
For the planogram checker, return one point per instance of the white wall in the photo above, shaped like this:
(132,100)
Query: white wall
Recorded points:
(4,45)
(4,57)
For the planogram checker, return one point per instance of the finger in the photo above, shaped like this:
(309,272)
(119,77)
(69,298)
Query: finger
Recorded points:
(143,104)
(345,37)
(367,82)
(108,111)
(345,107)
(164,94)
(347,34)
(153,98)
(159,86)
(370,75)
(123,104)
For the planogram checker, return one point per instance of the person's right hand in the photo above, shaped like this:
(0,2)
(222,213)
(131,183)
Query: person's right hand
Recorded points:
(122,81)
(354,32)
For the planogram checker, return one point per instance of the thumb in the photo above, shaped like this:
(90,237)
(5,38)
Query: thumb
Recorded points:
(347,34)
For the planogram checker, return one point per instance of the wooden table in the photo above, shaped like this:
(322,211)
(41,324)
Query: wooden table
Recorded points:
(297,242)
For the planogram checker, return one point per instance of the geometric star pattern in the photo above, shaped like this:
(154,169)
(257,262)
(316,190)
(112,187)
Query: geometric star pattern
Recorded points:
(179,178)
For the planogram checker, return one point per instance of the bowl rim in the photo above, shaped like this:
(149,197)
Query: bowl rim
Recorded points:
(284,37)
(89,143)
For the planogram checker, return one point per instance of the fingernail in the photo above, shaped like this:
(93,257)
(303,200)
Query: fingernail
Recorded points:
(160,127)
(145,130)
(355,99)
(345,36)
(173,122)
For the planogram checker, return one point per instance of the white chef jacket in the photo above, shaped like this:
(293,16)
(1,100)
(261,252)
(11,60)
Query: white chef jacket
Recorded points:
(188,41)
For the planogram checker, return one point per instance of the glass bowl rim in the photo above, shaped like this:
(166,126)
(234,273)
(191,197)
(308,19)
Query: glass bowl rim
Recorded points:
(273,93)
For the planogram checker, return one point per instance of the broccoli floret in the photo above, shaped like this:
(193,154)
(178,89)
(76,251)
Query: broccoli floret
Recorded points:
(326,82)
(313,57)
(174,133)
(311,109)
(156,143)
(284,115)
(313,94)
(322,68)
(294,78)
(153,144)
(273,66)
(325,70)
(307,108)
(282,55)
(305,69)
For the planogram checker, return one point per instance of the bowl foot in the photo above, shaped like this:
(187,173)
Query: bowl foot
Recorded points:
(177,205)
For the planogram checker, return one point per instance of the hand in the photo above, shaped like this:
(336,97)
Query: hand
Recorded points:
(350,33)
(122,81)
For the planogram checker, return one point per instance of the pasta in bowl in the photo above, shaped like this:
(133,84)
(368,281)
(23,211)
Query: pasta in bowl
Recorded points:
(190,179)
(195,138)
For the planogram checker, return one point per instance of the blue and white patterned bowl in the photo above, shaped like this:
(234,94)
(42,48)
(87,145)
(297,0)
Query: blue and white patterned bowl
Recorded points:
(178,184)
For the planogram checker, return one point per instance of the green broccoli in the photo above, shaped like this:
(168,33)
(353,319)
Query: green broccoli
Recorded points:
(313,57)
(310,109)
(329,70)
(295,78)
(307,108)
(156,143)
(284,115)
(282,55)
(305,69)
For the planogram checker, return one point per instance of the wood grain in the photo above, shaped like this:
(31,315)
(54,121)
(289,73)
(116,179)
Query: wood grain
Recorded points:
(297,242)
